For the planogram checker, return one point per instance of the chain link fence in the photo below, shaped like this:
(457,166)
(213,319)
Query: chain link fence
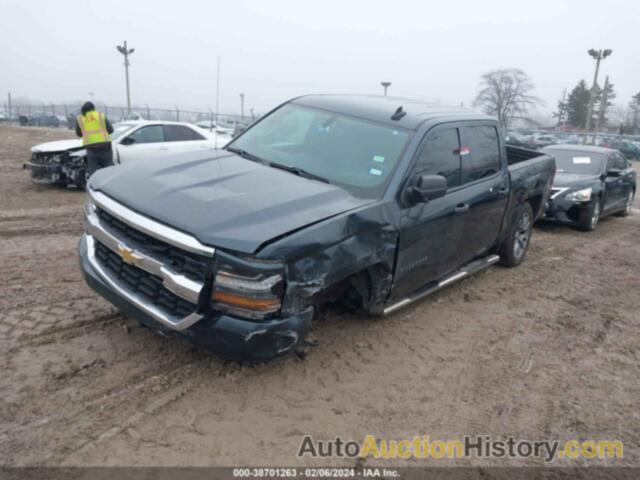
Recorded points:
(63,116)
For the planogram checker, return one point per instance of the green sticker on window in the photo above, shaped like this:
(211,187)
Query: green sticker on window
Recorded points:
(378,158)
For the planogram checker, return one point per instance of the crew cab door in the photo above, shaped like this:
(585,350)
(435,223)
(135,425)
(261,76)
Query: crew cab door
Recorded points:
(431,232)
(485,179)
(145,142)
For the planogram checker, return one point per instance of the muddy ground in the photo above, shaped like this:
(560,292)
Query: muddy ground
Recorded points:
(544,351)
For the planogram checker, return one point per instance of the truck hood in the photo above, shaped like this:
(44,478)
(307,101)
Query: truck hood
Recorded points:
(58,146)
(574,180)
(224,200)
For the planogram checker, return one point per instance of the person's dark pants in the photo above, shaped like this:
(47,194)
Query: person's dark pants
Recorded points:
(98,158)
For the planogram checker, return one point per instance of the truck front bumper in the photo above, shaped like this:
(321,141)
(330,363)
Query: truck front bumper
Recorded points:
(224,335)
(45,173)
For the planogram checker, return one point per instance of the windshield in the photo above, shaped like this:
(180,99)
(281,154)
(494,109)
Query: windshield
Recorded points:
(355,154)
(119,129)
(581,163)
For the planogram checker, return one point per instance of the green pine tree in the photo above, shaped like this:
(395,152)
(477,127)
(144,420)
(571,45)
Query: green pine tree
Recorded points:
(578,105)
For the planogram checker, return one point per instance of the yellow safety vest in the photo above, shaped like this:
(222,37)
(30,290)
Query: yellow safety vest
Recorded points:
(94,128)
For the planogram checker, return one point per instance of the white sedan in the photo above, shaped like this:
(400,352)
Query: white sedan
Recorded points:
(63,162)
(152,139)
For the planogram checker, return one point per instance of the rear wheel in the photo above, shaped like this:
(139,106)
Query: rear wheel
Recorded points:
(513,249)
(628,206)
(589,217)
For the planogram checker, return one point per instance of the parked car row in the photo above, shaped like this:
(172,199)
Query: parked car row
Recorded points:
(629,146)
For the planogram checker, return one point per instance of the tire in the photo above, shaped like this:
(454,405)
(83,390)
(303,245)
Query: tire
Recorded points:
(589,217)
(81,179)
(628,206)
(514,247)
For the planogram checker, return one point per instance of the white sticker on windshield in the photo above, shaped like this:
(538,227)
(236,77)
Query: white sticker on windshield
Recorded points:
(582,160)
(375,171)
(378,158)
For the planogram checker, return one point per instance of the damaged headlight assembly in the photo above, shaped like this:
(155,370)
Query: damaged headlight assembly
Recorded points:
(583,195)
(253,296)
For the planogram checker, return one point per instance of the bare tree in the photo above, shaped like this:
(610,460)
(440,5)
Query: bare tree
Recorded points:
(505,94)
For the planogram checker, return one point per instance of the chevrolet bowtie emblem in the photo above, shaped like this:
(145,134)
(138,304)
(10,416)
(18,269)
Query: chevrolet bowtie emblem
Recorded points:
(128,255)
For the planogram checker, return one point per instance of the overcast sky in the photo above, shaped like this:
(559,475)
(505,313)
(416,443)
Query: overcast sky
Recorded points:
(276,49)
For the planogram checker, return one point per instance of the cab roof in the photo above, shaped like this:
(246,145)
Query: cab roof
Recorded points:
(378,108)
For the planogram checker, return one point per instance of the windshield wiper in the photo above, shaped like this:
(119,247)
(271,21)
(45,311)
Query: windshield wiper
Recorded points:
(299,171)
(245,154)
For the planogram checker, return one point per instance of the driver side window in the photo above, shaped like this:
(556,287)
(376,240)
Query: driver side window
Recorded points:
(440,155)
(150,134)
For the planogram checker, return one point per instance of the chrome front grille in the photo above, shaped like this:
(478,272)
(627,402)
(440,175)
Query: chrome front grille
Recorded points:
(159,269)
(190,265)
(556,191)
(142,283)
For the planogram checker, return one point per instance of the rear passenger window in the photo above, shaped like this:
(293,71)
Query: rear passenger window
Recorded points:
(180,133)
(440,155)
(483,159)
(150,134)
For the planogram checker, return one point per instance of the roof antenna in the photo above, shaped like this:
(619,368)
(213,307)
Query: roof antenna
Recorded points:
(399,113)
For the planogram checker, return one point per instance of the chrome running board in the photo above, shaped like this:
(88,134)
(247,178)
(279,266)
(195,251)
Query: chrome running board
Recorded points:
(463,272)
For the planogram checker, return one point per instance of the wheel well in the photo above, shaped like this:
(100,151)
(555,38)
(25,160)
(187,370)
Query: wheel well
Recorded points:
(536,205)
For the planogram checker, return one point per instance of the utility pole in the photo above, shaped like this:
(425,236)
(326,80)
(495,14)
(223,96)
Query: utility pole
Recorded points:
(124,50)
(242,106)
(602,111)
(217,102)
(385,85)
(9,103)
(598,55)
(562,111)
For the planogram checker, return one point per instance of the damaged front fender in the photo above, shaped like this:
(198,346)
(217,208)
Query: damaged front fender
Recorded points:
(359,245)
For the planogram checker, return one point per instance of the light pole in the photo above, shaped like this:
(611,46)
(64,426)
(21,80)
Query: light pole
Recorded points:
(385,85)
(126,52)
(242,106)
(597,55)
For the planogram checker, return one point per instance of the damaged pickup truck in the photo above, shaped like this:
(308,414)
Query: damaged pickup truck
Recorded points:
(374,202)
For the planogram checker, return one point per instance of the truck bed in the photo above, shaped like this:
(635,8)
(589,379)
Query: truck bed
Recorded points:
(531,175)
(517,155)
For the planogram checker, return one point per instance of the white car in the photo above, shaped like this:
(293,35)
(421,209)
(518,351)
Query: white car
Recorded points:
(63,161)
(137,140)
(213,127)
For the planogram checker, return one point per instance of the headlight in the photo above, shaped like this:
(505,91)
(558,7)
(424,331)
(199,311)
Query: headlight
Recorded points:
(247,296)
(579,195)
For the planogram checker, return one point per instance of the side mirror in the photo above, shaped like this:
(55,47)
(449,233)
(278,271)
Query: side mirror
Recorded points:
(614,172)
(128,141)
(427,187)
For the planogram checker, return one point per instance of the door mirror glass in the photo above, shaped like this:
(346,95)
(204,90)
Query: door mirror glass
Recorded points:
(614,172)
(127,141)
(427,187)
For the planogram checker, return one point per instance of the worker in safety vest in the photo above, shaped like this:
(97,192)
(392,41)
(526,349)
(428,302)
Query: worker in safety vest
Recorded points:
(94,128)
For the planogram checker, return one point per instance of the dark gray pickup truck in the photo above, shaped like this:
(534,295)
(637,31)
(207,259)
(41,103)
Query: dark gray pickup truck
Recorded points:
(372,202)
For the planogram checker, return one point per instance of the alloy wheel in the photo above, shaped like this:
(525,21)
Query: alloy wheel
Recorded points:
(596,215)
(523,233)
(629,203)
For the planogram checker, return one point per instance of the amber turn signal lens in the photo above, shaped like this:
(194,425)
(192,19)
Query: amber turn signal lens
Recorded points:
(262,305)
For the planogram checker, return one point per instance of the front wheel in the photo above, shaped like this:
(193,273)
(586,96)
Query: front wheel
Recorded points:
(589,217)
(628,206)
(513,249)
